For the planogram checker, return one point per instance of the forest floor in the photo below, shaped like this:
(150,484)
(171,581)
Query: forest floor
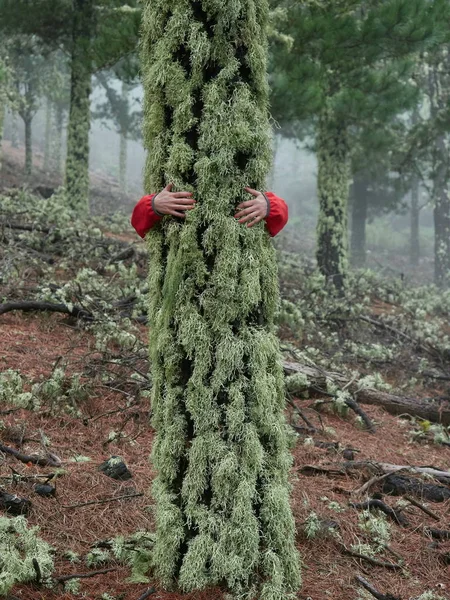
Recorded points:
(36,343)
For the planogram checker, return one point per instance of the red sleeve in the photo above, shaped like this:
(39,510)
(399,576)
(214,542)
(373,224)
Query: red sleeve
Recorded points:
(144,217)
(278,214)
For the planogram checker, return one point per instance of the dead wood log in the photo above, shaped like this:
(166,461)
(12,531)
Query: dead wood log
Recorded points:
(393,514)
(49,461)
(64,578)
(438,534)
(31,306)
(399,486)
(370,559)
(373,591)
(423,508)
(147,594)
(434,410)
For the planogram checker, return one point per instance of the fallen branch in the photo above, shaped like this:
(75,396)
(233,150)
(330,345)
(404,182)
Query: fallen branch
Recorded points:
(370,559)
(393,514)
(438,534)
(50,461)
(433,410)
(373,591)
(64,578)
(31,306)
(147,594)
(426,510)
(104,501)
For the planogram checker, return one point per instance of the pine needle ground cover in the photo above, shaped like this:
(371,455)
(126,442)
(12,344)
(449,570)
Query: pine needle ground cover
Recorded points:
(108,414)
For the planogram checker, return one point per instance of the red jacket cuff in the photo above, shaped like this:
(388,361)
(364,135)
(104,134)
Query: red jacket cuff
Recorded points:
(278,214)
(144,217)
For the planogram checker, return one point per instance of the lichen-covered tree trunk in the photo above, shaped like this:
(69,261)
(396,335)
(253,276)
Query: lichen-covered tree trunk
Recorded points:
(414,250)
(221,450)
(14,130)
(77,162)
(333,154)
(2,122)
(441,197)
(359,219)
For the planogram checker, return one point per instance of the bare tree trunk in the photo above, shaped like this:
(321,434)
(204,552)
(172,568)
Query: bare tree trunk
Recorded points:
(123,162)
(28,145)
(359,220)
(414,252)
(48,131)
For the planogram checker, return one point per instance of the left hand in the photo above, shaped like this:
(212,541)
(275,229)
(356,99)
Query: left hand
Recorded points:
(252,211)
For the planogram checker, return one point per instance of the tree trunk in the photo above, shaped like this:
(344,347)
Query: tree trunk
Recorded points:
(442,237)
(14,130)
(28,145)
(77,162)
(359,220)
(414,252)
(2,122)
(333,154)
(57,140)
(123,160)
(221,450)
(48,131)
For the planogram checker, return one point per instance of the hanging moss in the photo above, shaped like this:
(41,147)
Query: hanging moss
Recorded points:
(333,155)
(221,447)
(77,163)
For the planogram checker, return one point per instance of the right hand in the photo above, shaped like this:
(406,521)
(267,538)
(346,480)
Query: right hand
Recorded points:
(173,203)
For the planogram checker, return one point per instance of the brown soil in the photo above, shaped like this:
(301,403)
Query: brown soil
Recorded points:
(35,343)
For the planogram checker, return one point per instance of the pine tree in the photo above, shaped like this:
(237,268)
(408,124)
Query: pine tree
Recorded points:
(221,448)
(348,66)
(439,94)
(96,33)
(122,110)
(28,78)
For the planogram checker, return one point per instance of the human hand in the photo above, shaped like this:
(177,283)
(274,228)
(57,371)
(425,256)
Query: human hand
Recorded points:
(173,203)
(253,211)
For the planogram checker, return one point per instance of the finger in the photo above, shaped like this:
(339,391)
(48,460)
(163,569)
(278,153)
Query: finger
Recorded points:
(182,194)
(168,187)
(181,207)
(181,201)
(252,191)
(246,211)
(176,213)
(249,217)
(255,221)
(246,204)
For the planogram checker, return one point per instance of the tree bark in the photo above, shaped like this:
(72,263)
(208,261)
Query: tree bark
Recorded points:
(359,220)
(123,161)
(48,132)
(28,145)
(414,252)
(333,154)
(14,130)
(77,162)
(442,230)
(57,140)
(221,450)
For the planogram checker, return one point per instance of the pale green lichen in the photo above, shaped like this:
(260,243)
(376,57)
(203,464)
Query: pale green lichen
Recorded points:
(221,448)
(24,556)
(333,155)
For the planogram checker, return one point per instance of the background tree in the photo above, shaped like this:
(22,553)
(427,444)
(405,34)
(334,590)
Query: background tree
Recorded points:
(221,447)
(28,77)
(348,67)
(96,34)
(122,110)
